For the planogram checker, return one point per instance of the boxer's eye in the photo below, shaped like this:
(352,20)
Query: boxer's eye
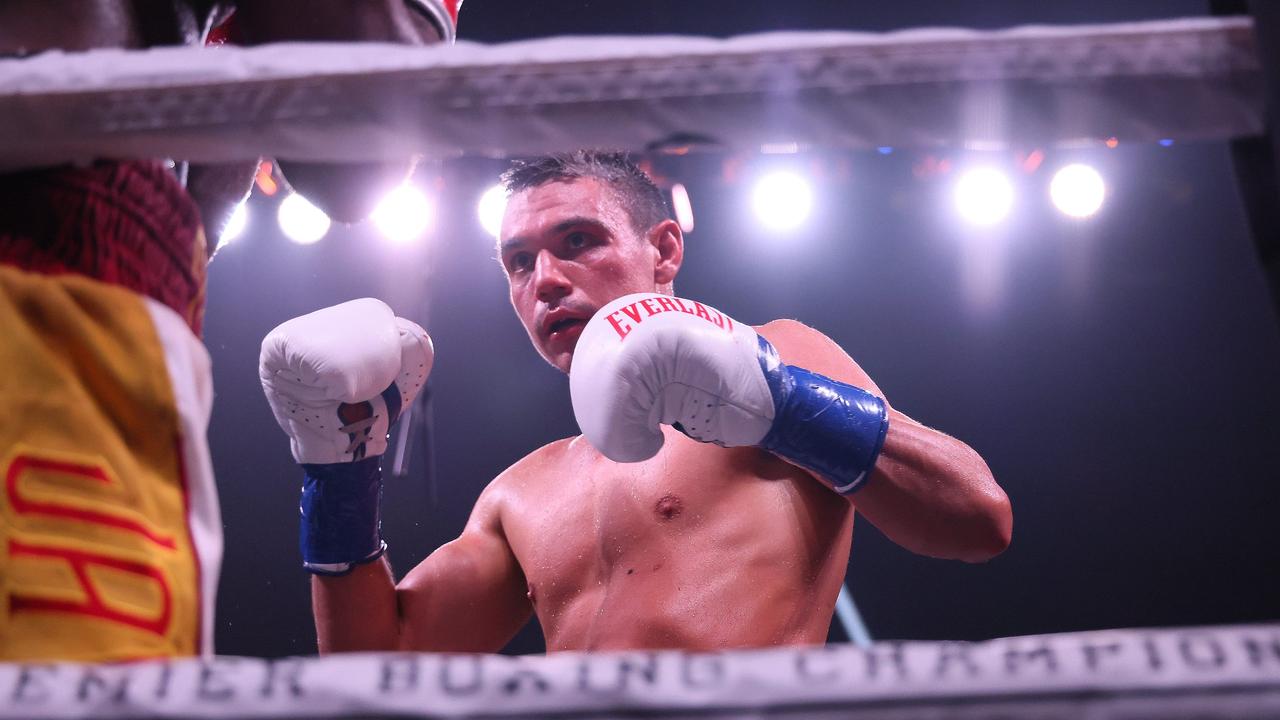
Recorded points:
(576,241)
(519,262)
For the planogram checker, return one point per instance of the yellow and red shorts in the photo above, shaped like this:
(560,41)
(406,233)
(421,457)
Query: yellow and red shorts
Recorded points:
(110,537)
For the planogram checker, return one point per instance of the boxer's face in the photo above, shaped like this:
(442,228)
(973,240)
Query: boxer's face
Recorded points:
(568,248)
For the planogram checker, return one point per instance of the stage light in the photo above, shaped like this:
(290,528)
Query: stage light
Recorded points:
(403,215)
(235,225)
(490,208)
(682,206)
(783,148)
(984,196)
(1033,161)
(301,221)
(782,200)
(1077,190)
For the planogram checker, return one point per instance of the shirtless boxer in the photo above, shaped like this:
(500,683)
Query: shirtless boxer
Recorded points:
(687,544)
(109,531)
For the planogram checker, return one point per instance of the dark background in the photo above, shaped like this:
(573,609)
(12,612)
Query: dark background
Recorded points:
(1118,374)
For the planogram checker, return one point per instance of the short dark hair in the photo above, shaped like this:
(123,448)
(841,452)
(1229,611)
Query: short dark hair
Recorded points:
(644,202)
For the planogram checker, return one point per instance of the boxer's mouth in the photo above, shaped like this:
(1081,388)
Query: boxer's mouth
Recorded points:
(561,321)
(565,326)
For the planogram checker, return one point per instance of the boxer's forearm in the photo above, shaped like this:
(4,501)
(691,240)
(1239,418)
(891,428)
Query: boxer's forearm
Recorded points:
(358,611)
(934,495)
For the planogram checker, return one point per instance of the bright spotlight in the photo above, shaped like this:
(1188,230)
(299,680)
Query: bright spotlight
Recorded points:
(1077,190)
(235,225)
(984,196)
(782,200)
(301,221)
(683,207)
(492,204)
(403,215)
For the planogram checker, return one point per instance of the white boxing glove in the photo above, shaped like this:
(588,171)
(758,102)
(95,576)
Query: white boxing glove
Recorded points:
(649,359)
(337,378)
(646,359)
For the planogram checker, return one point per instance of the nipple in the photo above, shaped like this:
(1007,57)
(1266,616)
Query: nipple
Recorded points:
(668,507)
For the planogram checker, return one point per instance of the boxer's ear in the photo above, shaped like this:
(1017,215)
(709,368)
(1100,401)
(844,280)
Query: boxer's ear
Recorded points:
(668,241)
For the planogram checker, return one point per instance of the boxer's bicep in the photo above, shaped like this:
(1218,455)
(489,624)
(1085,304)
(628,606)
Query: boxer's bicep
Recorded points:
(930,493)
(470,594)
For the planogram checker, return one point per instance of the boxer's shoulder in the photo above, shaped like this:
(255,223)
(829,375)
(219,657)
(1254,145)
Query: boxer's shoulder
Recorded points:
(803,346)
(797,343)
(532,470)
(535,480)
(790,336)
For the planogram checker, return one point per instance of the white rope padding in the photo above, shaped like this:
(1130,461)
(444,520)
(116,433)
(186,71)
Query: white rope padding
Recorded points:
(1196,78)
(1212,672)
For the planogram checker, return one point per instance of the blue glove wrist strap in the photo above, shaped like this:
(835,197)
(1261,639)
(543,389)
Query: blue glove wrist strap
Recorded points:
(341,515)
(830,428)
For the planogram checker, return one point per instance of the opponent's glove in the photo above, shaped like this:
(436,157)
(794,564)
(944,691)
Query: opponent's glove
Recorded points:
(646,359)
(444,13)
(336,380)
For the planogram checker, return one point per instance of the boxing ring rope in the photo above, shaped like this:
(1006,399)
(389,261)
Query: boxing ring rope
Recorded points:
(1212,672)
(1196,78)
(1187,79)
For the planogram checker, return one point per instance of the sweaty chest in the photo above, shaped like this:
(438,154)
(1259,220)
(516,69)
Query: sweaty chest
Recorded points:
(605,511)
(650,521)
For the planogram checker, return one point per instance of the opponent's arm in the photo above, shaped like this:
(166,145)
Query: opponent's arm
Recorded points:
(347,192)
(928,491)
(467,596)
